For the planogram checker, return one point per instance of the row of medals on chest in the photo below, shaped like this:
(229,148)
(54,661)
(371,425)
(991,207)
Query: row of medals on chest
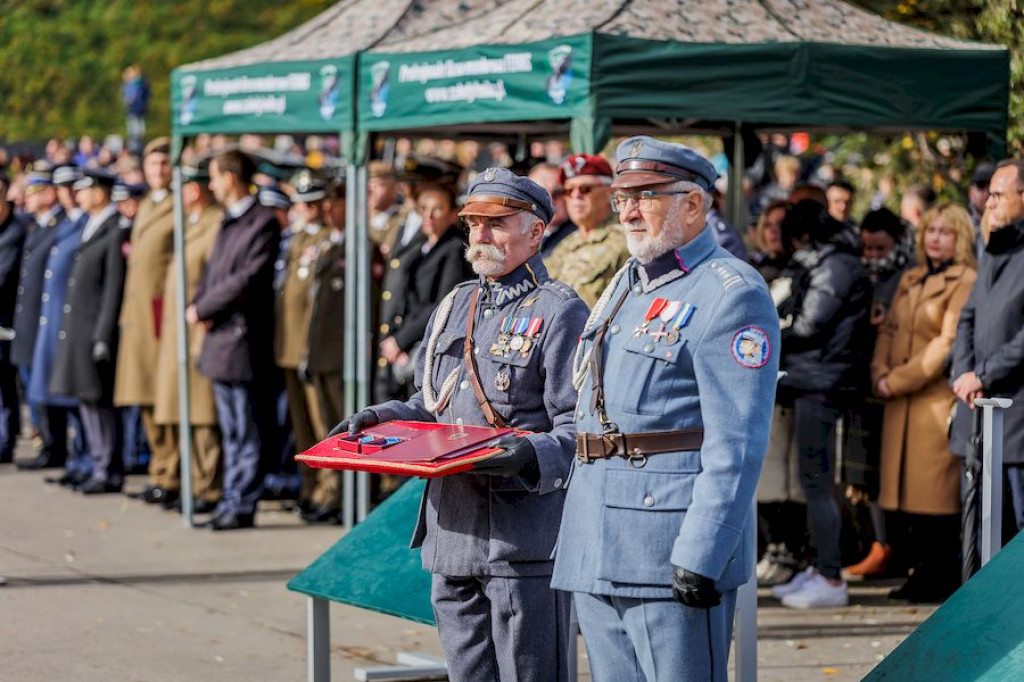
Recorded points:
(672,315)
(516,335)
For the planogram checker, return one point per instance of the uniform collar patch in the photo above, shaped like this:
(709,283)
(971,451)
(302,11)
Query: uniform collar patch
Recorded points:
(519,282)
(664,269)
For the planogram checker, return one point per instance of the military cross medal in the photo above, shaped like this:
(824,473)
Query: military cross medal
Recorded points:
(657,305)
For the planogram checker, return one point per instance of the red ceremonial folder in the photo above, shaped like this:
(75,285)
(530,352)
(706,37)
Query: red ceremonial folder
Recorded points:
(423,449)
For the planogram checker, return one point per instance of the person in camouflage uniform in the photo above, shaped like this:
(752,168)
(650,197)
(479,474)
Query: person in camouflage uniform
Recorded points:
(587,259)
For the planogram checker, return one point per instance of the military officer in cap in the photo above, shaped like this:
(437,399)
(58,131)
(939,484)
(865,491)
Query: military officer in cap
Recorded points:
(588,258)
(203,218)
(149,256)
(497,352)
(83,366)
(676,370)
(320,488)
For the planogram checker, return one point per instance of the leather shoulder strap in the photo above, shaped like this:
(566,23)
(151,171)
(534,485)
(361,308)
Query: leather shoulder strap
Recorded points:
(490,414)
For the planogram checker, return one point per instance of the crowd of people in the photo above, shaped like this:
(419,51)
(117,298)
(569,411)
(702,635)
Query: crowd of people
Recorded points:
(890,327)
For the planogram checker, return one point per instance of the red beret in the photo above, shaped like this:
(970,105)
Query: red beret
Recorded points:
(583,164)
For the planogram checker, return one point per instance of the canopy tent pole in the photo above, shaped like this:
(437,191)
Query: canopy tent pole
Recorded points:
(184,388)
(992,475)
(734,191)
(364,363)
(350,340)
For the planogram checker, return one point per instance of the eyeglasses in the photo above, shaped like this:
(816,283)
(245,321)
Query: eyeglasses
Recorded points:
(644,200)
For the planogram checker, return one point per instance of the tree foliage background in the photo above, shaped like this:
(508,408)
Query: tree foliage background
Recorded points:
(61,60)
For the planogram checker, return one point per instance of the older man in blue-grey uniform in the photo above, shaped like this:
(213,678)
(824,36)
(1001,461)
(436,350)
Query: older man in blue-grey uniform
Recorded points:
(676,370)
(498,352)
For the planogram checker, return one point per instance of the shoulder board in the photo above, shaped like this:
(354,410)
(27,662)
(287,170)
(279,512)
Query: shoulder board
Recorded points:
(564,291)
(732,273)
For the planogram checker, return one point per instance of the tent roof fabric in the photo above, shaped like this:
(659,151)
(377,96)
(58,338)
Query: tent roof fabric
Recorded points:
(686,21)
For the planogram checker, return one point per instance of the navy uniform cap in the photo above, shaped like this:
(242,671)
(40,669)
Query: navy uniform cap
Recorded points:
(66,175)
(124,191)
(642,161)
(95,177)
(499,192)
(199,173)
(308,187)
(271,197)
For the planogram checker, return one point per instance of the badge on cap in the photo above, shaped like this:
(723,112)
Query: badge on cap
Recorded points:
(490,174)
(751,347)
(635,149)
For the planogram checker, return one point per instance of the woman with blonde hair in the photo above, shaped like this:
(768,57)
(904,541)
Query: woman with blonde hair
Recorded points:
(920,478)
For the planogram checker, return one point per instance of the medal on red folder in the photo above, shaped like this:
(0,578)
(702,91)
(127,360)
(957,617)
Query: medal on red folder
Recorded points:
(657,305)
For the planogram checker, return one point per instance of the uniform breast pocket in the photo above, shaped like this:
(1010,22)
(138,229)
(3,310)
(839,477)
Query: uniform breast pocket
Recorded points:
(645,376)
(641,517)
(447,355)
(504,378)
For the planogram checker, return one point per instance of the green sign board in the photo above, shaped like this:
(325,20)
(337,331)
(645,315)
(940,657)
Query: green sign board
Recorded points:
(295,97)
(532,81)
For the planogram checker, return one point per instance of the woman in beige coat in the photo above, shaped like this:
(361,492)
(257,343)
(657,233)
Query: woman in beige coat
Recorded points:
(920,479)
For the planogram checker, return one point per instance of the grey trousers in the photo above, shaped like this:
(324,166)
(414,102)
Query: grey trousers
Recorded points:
(502,629)
(655,640)
(102,429)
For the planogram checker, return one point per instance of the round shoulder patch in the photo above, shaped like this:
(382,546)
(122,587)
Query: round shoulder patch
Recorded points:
(751,347)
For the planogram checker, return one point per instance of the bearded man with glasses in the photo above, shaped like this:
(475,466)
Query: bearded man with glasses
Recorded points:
(588,258)
(676,369)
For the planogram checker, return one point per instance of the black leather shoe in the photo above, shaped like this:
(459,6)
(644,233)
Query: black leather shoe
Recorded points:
(232,522)
(321,516)
(43,461)
(100,488)
(169,498)
(141,494)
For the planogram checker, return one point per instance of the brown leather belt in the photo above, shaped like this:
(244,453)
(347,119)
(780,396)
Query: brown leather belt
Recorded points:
(635,446)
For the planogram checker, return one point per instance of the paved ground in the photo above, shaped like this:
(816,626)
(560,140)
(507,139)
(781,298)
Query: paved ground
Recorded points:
(106,588)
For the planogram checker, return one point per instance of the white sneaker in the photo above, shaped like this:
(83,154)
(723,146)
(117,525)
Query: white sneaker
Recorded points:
(817,593)
(794,585)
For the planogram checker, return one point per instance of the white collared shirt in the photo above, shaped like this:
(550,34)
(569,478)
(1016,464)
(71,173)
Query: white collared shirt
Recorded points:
(44,220)
(157,195)
(236,209)
(97,220)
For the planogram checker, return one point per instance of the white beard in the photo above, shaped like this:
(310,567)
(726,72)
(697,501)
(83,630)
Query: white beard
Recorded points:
(646,248)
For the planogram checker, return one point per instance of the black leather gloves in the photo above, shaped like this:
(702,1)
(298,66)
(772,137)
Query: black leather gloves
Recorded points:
(357,422)
(518,459)
(100,352)
(691,589)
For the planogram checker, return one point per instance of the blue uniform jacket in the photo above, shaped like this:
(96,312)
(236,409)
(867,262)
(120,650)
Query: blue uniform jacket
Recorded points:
(474,524)
(55,288)
(624,527)
(35,253)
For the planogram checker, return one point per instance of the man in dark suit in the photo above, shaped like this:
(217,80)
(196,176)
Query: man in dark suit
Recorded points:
(12,237)
(87,341)
(988,356)
(235,302)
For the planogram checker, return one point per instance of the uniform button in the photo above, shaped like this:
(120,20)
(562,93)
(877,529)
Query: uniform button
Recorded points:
(464,385)
(381,362)
(648,348)
(488,314)
(67,307)
(558,483)
(459,421)
(638,290)
(384,328)
(615,329)
(386,296)
(46,297)
(476,350)
(42,321)
(48,274)
(53,251)
(648,501)
(398,319)
(395,263)
(579,414)
(61,335)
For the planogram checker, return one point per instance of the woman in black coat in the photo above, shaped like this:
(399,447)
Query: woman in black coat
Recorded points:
(87,342)
(441,266)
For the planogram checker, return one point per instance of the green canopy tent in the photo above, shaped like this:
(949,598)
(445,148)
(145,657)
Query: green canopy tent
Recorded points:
(303,82)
